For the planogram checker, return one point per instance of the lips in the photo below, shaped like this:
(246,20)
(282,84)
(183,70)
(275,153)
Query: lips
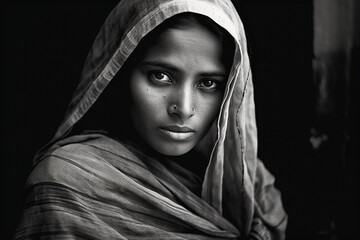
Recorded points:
(177,132)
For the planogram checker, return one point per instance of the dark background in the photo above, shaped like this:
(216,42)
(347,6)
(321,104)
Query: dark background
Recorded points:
(45,45)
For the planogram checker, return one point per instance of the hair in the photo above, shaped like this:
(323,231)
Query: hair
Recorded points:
(107,118)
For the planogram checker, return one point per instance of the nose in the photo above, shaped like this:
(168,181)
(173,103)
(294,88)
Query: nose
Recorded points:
(182,102)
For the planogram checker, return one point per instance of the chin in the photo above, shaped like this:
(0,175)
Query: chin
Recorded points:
(173,150)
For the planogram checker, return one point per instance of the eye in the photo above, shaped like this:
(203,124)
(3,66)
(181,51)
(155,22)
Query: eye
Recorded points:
(208,84)
(158,76)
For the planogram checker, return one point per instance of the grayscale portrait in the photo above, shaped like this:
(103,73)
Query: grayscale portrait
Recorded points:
(181,119)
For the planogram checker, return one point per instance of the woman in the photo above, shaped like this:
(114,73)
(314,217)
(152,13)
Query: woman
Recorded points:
(177,159)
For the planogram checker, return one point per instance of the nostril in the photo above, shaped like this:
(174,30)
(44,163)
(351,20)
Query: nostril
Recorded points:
(182,102)
(172,109)
(181,110)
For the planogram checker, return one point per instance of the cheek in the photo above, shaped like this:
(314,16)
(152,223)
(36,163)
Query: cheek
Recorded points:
(209,110)
(144,101)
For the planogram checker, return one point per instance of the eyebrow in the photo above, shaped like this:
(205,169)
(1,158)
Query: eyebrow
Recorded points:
(173,68)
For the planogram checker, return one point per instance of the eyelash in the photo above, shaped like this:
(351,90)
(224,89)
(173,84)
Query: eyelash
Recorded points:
(152,76)
(209,88)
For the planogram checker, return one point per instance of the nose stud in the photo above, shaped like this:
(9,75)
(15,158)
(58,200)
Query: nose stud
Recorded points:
(174,107)
(180,111)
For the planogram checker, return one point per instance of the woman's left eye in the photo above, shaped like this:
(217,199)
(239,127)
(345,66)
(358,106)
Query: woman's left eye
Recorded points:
(159,76)
(208,84)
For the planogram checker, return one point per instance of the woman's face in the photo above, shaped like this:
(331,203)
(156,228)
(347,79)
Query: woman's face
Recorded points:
(177,88)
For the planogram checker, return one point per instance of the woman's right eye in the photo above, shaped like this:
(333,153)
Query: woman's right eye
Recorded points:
(159,76)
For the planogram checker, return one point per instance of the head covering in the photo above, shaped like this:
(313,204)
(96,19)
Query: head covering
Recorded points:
(236,183)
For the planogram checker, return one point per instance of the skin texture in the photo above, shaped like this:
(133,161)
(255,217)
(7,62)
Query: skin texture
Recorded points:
(177,87)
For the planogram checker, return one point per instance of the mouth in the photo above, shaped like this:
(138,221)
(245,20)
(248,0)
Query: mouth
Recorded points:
(177,133)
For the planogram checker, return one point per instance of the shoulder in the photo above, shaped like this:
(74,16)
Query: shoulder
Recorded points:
(80,162)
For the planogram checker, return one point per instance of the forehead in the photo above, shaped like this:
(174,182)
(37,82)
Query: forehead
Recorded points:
(183,46)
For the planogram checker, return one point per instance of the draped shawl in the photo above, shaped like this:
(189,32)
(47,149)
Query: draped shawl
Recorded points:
(92,186)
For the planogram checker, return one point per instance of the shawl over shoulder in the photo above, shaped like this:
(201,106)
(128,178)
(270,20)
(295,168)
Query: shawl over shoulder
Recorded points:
(94,187)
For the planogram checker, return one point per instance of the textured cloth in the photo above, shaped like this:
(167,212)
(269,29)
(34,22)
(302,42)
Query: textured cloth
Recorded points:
(92,186)
(96,188)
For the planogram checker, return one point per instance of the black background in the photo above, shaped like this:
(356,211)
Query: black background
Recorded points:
(45,45)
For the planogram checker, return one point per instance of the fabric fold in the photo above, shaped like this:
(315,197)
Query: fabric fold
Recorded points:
(97,186)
